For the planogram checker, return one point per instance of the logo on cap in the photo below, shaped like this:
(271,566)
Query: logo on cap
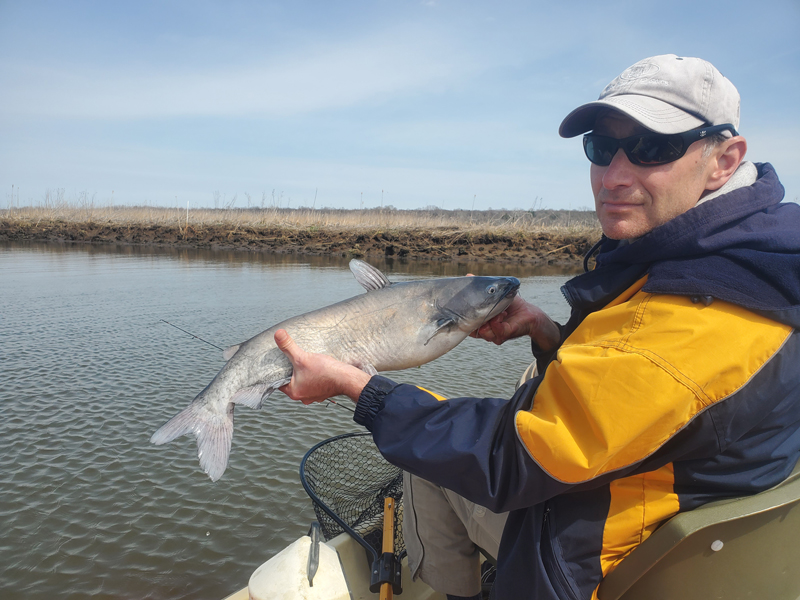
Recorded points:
(638,71)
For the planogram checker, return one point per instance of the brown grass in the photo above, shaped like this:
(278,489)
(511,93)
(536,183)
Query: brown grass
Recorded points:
(490,221)
(541,237)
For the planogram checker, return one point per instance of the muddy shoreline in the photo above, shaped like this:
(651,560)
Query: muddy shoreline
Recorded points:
(440,244)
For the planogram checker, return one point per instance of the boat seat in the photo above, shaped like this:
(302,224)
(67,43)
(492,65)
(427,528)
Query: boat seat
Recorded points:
(730,549)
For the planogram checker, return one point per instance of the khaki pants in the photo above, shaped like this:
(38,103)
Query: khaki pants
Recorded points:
(442,533)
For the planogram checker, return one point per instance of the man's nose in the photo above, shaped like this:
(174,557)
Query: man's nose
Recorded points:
(619,172)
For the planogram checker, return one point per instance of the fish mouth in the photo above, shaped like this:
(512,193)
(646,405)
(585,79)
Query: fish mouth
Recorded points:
(508,294)
(512,290)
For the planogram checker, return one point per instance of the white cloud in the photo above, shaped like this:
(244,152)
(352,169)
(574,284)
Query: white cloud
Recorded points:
(367,70)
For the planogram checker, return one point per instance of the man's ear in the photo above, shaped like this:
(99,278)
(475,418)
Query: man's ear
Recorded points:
(724,161)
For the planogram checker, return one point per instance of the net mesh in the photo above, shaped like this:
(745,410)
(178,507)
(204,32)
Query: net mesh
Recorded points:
(348,475)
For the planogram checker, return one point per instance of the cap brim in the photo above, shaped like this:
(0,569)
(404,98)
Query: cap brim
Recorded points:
(651,113)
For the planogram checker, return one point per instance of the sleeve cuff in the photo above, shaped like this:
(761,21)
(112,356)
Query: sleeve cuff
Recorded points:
(371,400)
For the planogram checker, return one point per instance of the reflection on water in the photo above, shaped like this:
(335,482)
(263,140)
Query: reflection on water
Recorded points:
(232,258)
(88,506)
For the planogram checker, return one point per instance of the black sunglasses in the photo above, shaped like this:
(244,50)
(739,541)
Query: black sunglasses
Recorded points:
(647,149)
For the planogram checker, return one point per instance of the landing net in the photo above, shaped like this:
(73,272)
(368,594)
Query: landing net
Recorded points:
(347,480)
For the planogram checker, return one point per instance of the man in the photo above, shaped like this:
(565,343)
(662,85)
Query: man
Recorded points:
(675,382)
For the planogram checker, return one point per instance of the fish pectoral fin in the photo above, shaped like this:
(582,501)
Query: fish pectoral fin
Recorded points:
(442,324)
(369,277)
(228,353)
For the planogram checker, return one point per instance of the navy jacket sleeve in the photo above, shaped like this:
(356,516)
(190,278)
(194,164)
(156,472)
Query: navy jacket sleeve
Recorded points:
(468,445)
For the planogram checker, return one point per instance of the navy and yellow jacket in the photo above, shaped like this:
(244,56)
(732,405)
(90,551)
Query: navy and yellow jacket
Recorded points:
(677,382)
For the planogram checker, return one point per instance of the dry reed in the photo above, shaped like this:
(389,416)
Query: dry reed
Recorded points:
(84,210)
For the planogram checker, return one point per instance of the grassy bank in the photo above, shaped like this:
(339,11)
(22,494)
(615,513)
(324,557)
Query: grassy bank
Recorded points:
(543,236)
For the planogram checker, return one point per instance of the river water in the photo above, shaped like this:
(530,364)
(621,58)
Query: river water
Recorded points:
(89,371)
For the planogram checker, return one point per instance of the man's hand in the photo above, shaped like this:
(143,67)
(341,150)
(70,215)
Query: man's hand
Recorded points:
(518,319)
(317,377)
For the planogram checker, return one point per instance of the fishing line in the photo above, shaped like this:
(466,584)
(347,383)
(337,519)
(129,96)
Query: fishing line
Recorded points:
(352,410)
(197,337)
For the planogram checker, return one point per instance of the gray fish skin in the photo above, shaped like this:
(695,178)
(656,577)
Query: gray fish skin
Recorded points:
(391,327)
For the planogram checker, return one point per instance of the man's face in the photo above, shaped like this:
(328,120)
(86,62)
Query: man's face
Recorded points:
(632,200)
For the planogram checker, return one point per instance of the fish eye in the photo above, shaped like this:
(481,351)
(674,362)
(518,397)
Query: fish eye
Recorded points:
(491,289)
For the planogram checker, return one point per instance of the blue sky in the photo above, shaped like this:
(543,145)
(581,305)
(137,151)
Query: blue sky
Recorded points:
(350,104)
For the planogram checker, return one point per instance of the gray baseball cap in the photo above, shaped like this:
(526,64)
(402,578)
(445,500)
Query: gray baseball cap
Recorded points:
(666,94)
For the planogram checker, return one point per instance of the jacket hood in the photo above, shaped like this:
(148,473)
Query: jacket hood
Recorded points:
(742,247)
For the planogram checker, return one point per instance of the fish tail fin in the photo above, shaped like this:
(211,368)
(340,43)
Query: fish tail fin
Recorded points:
(214,432)
(179,425)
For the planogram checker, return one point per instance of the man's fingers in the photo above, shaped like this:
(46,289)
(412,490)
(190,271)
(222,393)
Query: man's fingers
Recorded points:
(484,332)
(285,342)
(498,327)
(287,346)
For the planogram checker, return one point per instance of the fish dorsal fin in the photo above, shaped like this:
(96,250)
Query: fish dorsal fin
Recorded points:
(228,353)
(368,276)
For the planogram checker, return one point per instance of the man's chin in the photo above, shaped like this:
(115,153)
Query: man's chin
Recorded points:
(622,229)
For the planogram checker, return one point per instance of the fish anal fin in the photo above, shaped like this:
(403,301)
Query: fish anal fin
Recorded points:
(250,396)
(277,384)
(228,353)
(369,277)
(255,395)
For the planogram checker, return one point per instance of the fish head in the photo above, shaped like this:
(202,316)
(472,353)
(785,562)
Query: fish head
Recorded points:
(479,299)
(462,304)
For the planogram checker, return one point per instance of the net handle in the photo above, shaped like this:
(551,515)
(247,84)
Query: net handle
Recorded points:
(388,541)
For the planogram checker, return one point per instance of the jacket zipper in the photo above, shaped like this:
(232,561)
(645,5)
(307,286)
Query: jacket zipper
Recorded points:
(566,294)
(551,563)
